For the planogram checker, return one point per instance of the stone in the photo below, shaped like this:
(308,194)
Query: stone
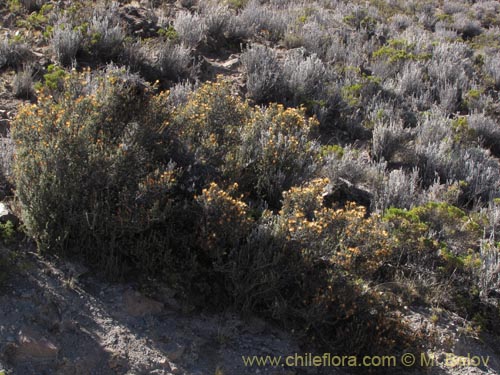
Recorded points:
(4,127)
(33,347)
(7,215)
(138,305)
(176,354)
(140,21)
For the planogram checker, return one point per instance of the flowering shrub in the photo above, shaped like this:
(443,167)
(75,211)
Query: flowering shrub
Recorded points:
(88,165)
(277,151)
(345,237)
(224,221)
(208,124)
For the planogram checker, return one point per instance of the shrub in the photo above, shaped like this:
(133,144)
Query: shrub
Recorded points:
(431,251)
(263,73)
(224,222)
(258,19)
(13,53)
(489,272)
(92,174)
(487,129)
(190,28)
(23,84)
(388,139)
(305,77)
(173,61)
(305,267)
(180,93)
(465,27)
(106,36)
(66,42)
(209,123)
(400,190)
(492,68)
(276,152)
(188,3)
(33,5)
(352,165)
(217,22)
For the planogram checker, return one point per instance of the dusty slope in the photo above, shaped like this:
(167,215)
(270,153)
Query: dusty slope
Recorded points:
(57,318)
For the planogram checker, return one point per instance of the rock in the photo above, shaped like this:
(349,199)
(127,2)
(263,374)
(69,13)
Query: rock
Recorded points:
(140,21)
(32,347)
(174,369)
(4,127)
(176,354)
(231,64)
(138,305)
(344,191)
(7,215)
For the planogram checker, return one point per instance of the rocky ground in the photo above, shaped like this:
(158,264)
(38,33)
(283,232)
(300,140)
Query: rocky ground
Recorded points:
(58,318)
(55,318)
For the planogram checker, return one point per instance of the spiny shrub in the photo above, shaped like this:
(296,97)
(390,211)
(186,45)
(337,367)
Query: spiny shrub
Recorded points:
(106,36)
(263,73)
(66,42)
(190,28)
(23,84)
(92,172)
(173,61)
(13,53)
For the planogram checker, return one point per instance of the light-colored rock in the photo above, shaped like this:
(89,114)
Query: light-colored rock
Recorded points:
(138,305)
(6,214)
(32,347)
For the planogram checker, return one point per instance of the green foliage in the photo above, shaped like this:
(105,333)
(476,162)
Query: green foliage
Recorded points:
(169,33)
(399,50)
(37,20)
(361,20)
(7,231)
(337,150)
(351,94)
(462,131)
(237,4)
(53,79)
